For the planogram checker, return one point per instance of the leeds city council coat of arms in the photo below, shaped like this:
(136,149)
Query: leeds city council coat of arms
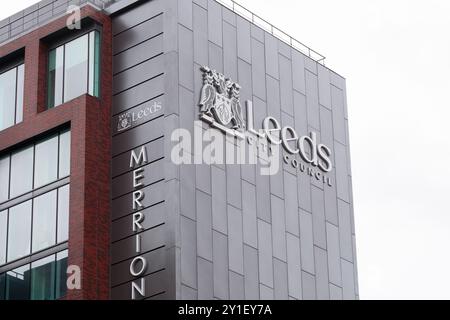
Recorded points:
(219,102)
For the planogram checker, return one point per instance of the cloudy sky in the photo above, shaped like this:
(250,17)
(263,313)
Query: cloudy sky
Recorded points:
(396,58)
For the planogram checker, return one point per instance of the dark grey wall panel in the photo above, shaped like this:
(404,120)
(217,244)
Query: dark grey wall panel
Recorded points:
(138,54)
(154,283)
(138,94)
(121,163)
(125,249)
(124,205)
(138,136)
(153,172)
(123,227)
(136,15)
(156,261)
(137,34)
(138,74)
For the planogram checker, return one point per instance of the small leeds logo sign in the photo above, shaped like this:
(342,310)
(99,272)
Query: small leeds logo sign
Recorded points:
(137,116)
(220,107)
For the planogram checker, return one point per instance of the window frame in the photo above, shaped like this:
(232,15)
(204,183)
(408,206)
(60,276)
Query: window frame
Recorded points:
(62,42)
(15,63)
(57,185)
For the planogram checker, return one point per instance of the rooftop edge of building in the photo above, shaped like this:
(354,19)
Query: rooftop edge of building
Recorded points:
(45,11)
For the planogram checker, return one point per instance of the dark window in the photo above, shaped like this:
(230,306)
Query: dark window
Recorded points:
(61,274)
(74,69)
(3,235)
(43,279)
(18,283)
(11,96)
(43,275)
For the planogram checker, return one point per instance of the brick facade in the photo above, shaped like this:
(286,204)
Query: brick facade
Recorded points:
(89,119)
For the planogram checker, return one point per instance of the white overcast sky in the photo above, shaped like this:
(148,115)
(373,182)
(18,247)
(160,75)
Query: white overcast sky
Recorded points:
(395,55)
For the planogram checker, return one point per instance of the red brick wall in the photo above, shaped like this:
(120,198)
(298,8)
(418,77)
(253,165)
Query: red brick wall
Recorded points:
(89,118)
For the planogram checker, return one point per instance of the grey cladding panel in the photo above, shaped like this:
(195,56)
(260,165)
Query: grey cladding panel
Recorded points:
(235,240)
(138,136)
(265,253)
(121,163)
(138,94)
(220,265)
(124,205)
(219,201)
(156,261)
(123,227)
(126,249)
(243,39)
(249,214)
(138,34)
(138,54)
(138,74)
(188,263)
(154,284)
(150,173)
(205,279)
(251,275)
(214,22)
(137,15)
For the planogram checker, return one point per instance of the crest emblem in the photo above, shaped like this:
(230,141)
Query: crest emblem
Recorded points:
(124,122)
(219,102)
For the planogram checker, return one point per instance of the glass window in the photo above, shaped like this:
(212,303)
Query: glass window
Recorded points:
(2,286)
(20,86)
(43,279)
(44,221)
(3,235)
(19,232)
(63,214)
(74,69)
(8,98)
(94,68)
(61,274)
(4,178)
(11,97)
(46,162)
(64,154)
(18,283)
(21,172)
(55,76)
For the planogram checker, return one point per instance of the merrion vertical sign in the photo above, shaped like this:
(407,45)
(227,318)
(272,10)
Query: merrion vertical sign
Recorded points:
(138,265)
